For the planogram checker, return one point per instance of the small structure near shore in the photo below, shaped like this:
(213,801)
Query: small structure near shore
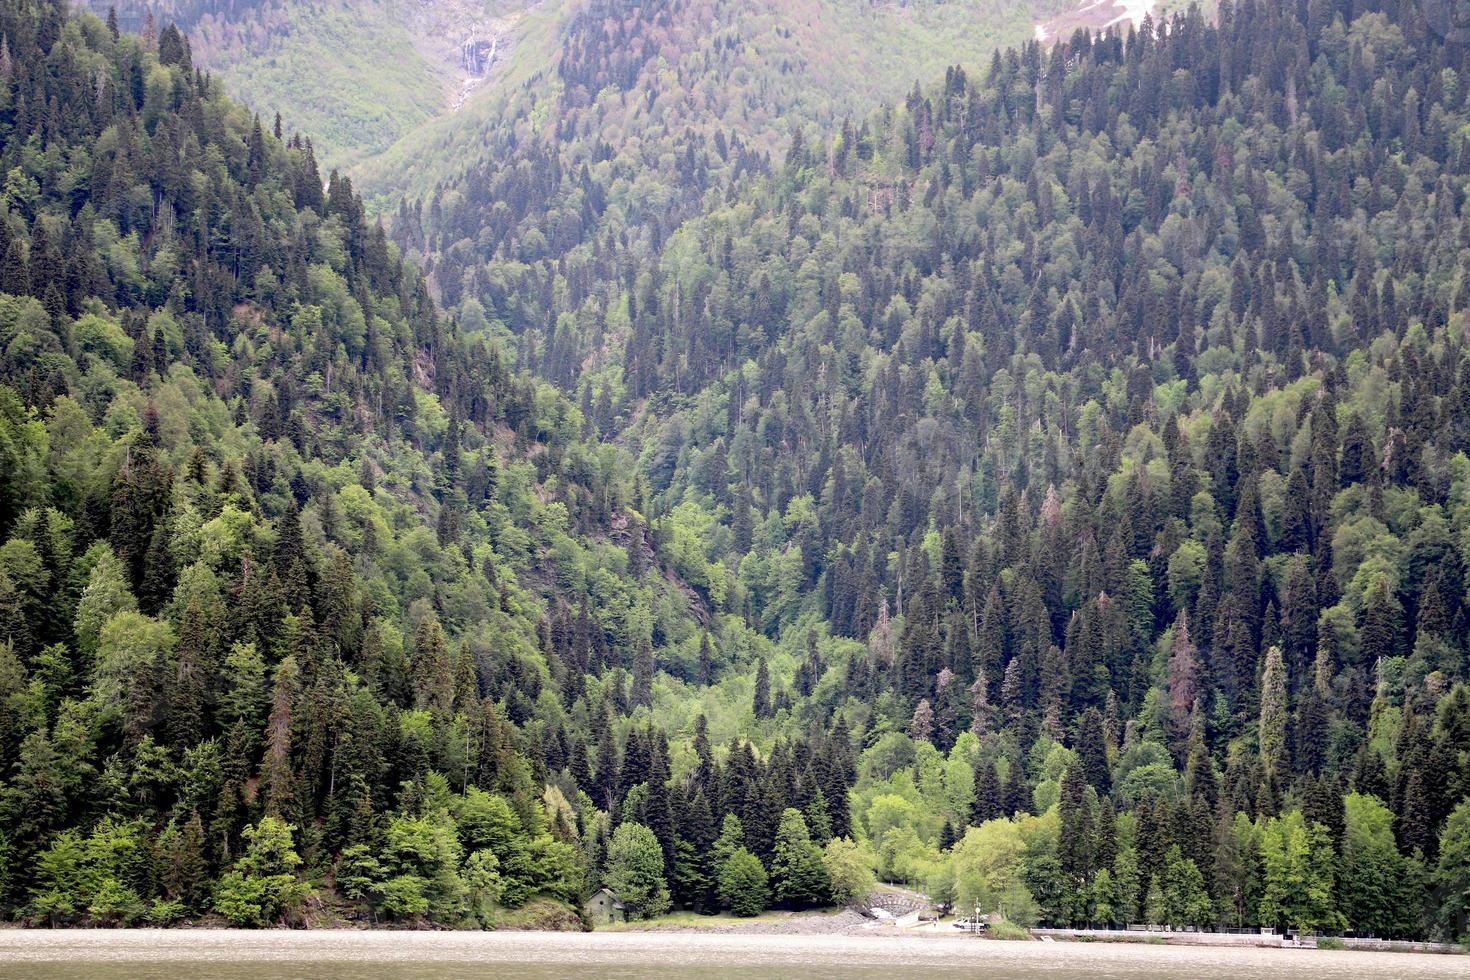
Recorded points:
(897,904)
(605,908)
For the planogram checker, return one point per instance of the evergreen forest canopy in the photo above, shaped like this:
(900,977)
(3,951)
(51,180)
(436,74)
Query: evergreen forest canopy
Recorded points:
(1050,491)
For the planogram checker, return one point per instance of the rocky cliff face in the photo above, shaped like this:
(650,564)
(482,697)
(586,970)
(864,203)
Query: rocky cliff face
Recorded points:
(469,39)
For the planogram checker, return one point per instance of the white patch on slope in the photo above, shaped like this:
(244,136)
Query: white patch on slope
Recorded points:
(1097,16)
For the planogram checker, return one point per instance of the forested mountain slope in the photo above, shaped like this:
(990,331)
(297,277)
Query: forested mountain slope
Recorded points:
(639,113)
(1051,492)
(1113,368)
(272,528)
(436,76)
(1132,372)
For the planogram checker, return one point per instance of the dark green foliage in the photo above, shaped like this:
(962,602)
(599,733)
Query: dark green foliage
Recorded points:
(743,888)
(799,875)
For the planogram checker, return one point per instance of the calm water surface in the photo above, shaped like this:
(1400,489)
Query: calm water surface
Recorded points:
(328,955)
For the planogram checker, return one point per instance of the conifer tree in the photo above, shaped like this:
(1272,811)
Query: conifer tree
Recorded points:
(642,694)
(797,870)
(706,660)
(1272,735)
(1092,754)
(277,783)
(761,703)
(989,802)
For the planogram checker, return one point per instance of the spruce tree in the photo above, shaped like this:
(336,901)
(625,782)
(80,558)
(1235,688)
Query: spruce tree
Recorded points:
(797,869)
(642,694)
(989,802)
(1091,746)
(761,703)
(1272,737)
(1076,847)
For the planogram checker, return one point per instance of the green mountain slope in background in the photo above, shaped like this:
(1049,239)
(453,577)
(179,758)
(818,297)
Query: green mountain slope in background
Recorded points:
(362,76)
(356,75)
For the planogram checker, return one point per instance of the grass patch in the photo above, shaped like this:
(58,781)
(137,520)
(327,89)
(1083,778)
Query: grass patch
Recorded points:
(1006,929)
(348,75)
(540,913)
(1330,942)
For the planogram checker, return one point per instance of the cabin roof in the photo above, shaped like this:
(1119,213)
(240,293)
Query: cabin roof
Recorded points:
(617,902)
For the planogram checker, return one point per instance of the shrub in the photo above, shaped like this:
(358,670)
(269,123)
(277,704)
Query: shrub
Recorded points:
(403,897)
(744,888)
(1006,929)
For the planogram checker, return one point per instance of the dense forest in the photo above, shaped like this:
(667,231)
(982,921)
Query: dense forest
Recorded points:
(1050,492)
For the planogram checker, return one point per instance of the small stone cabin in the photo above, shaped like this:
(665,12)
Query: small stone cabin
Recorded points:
(604,908)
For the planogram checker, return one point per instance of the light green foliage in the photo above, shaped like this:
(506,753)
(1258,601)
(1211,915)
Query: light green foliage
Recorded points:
(1002,927)
(849,870)
(1237,870)
(1186,568)
(263,888)
(988,871)
(359,872)
(889,813)
(1453,872)
(60,879)
(483,884)
(1297,862)
(635,871)
(487,822)
(421,857)
(1374,879)
(118,854)
(902,855)
(797,867)
(1105,898)
(404,896)
(106,594)
(1185,901)
(134,654)
(103,338)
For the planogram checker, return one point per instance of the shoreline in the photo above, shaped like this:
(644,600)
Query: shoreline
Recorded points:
(796,927)
(845,922)
(874,948)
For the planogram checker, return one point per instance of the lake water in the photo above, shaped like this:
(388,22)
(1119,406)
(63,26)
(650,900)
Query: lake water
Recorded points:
(343,955)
